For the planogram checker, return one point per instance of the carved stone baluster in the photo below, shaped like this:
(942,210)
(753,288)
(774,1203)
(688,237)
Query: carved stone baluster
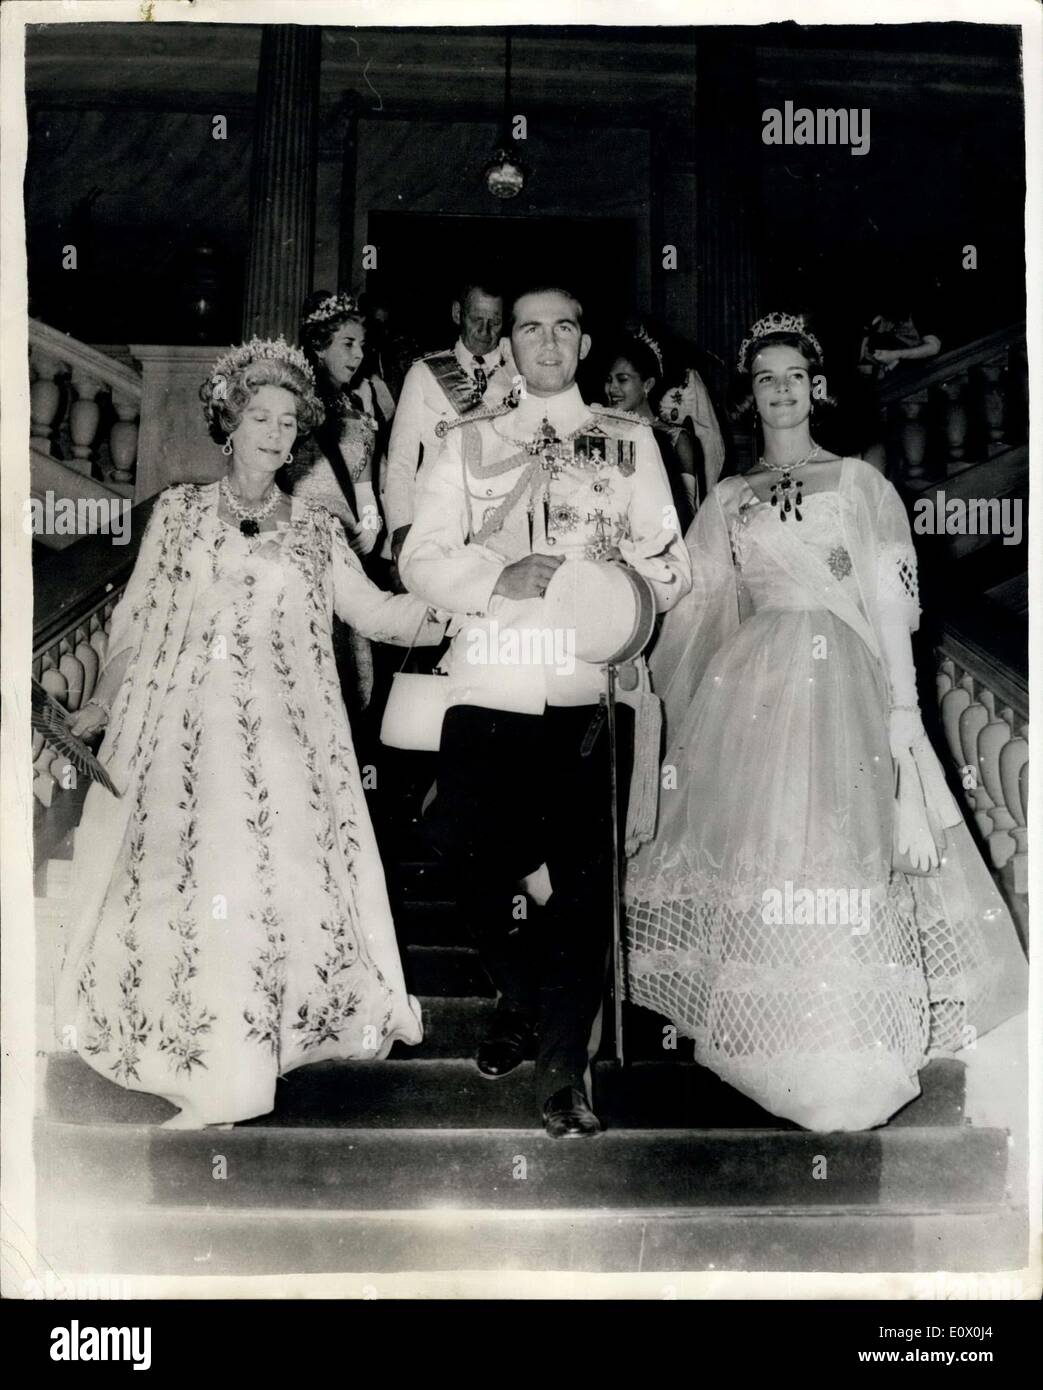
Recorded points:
(1014,767)
(991,742)
(953,704)
(123,441)
(944,680)
(994,404)
(913,435)
(100,643)
(88,659)
(45,397)
(54,682)
(83,419)
(954,392)
(972,721)
(43,781)
(72,669)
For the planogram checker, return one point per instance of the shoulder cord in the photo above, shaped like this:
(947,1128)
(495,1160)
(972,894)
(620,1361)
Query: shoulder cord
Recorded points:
(471,455)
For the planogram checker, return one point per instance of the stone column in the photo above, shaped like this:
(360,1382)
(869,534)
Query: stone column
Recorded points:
(728,129)
(673,220)
(282,184)
(346,273)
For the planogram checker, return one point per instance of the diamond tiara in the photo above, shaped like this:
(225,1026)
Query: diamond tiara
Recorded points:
(273,349)
(332,307)
(776,323)
(643,336)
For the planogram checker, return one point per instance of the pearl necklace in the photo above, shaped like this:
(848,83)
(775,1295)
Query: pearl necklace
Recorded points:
(248,517)
(780,488)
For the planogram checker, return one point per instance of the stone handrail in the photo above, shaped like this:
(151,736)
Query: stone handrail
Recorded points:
(56,358)
(937,370)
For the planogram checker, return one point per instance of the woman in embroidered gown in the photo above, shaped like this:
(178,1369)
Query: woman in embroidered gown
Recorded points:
(233,921)
(334,464)
(764,919)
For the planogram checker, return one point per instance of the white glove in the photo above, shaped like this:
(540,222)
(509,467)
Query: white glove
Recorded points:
(641,556)
(905,726)
(912,831)
(905,729)
(366,530)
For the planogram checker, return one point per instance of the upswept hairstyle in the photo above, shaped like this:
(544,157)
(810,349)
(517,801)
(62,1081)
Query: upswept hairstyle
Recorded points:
(742,393)
(224,415)
(317,335)
(639,355)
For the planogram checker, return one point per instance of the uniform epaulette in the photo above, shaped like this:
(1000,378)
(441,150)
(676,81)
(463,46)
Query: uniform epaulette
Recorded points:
(625,416)
(492,412)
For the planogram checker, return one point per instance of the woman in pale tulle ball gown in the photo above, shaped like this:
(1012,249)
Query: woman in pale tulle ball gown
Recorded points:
(818,938)
(232,917)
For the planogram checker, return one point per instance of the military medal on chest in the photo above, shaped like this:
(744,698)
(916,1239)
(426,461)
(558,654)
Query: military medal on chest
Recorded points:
(553,453)
(549,449)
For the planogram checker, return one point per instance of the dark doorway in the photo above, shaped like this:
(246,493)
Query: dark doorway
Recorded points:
(422,257)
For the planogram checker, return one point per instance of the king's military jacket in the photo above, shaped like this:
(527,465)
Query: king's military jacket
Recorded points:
(553,477)
(440,386)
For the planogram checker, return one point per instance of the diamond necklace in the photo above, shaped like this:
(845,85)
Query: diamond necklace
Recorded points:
(781,487)
(248,517)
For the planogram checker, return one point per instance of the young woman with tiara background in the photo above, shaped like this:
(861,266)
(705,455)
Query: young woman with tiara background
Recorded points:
(687,431)
(232,915)
(337,463)
(817,934)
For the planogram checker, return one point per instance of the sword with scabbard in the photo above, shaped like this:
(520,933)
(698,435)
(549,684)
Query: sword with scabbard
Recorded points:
(622,686)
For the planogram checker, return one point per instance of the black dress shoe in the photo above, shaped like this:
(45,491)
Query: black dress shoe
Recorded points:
(568,1116)
(504,1048)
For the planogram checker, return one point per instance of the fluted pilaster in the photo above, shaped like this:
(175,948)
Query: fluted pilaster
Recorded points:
(727,195)
(282,185)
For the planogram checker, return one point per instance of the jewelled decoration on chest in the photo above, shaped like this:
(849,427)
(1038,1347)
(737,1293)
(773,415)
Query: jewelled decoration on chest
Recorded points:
(597,451)
(839,562)
(562,517)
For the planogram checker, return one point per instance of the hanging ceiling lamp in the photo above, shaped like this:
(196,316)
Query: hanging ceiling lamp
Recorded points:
(505,173)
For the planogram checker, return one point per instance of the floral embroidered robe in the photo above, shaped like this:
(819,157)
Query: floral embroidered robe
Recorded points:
(232,914)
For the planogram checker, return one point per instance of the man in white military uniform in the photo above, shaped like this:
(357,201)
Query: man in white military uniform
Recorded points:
(443,385)
(524,770)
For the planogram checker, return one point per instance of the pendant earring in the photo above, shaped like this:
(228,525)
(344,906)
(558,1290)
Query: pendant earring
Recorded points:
(226,448)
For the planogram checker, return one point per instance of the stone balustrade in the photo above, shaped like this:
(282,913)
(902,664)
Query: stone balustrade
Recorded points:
(984,714)
(69,384)
(956,409)
(68,668)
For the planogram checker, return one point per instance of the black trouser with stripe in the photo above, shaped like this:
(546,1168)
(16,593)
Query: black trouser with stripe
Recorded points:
(516,791)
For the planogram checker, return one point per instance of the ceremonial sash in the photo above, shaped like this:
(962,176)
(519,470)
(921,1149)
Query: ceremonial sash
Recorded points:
(457,387)
(803,565)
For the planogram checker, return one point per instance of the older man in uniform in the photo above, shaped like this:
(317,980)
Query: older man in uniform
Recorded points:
(443,385)
(524,778)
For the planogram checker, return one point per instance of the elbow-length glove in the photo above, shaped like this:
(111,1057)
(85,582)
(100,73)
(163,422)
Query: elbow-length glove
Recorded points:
(912,829)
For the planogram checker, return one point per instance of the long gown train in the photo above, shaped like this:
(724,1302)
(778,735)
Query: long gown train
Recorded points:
(764,918)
